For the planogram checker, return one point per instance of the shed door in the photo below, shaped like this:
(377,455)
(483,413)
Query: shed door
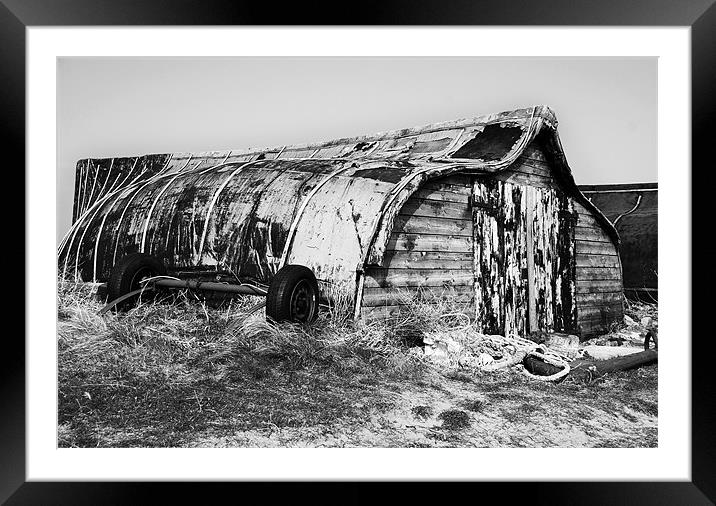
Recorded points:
(524,258)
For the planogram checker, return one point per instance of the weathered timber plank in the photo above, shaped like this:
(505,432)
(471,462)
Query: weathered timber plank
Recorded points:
(584,260)
(457,183)
(535,152)
(589,312)
(592,226)
(382,312)
(590,234)
(526,179)
(534,161)
(596,248)
(599,298)
(402,296)
(436,209)
(427,260)
(579,207)
(443,195)
(599,286)
(529,167)
(429,242)
(598,319)
(382,277)
(587,220)
(597,326)
(424,225)
(530,241)
(594,273)
(424,291)
(489,268)
(456,179)
(447,187)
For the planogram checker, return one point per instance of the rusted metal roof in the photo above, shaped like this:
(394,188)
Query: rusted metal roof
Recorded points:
(329,206)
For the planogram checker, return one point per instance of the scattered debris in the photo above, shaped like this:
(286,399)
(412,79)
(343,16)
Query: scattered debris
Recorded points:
(607,352)
(588,371)
(484,359)
(564,344)
(548,356)
(538,367)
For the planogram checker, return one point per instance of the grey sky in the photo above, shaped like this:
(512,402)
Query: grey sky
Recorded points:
(606,107)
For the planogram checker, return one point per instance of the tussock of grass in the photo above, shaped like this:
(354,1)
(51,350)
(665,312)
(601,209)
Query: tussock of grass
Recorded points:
(422,313)
(421,412)
(454,419)
(475,406)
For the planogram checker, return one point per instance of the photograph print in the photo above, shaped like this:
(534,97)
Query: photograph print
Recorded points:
(395,252)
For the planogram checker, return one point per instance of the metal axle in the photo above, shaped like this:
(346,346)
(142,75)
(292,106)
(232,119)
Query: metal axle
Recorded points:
(209,285)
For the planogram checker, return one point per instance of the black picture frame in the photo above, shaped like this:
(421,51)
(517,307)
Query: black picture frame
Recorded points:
(700,15)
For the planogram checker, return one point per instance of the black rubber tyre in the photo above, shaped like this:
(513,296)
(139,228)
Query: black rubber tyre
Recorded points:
(127,274)
(293,295)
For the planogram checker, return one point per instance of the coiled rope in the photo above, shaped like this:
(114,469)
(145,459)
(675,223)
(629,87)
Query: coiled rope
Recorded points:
(523,348)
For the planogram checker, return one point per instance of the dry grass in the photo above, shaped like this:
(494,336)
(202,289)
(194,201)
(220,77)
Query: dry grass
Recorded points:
(169,368)
(180,372)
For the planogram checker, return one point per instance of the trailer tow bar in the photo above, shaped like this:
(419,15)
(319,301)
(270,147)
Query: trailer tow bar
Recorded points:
(125,297)
(162,282)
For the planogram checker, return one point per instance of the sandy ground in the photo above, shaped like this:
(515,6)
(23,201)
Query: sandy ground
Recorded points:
(170,376)
(502,416)
(453,410)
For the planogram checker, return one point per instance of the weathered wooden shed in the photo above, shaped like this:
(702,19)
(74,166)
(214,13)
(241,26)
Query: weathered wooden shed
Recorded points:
(633,210)
(485,210)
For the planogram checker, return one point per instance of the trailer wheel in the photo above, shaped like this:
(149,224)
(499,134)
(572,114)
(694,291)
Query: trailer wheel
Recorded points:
(293,295)
(127,274)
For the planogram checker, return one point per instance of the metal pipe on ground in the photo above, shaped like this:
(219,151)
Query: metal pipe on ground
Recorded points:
(586,370)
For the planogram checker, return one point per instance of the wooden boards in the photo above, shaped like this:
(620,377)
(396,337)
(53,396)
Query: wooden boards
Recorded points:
(514,245)
(429,255)
(599,278)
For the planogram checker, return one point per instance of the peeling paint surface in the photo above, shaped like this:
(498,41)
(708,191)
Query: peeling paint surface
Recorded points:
(331,206)
(235,221)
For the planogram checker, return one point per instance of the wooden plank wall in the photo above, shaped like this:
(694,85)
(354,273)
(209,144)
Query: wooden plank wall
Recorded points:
(598,297)
(532,186)
(554,262)
(531,169)
(431,250)
(599,277)
(500,257)
(429,254)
